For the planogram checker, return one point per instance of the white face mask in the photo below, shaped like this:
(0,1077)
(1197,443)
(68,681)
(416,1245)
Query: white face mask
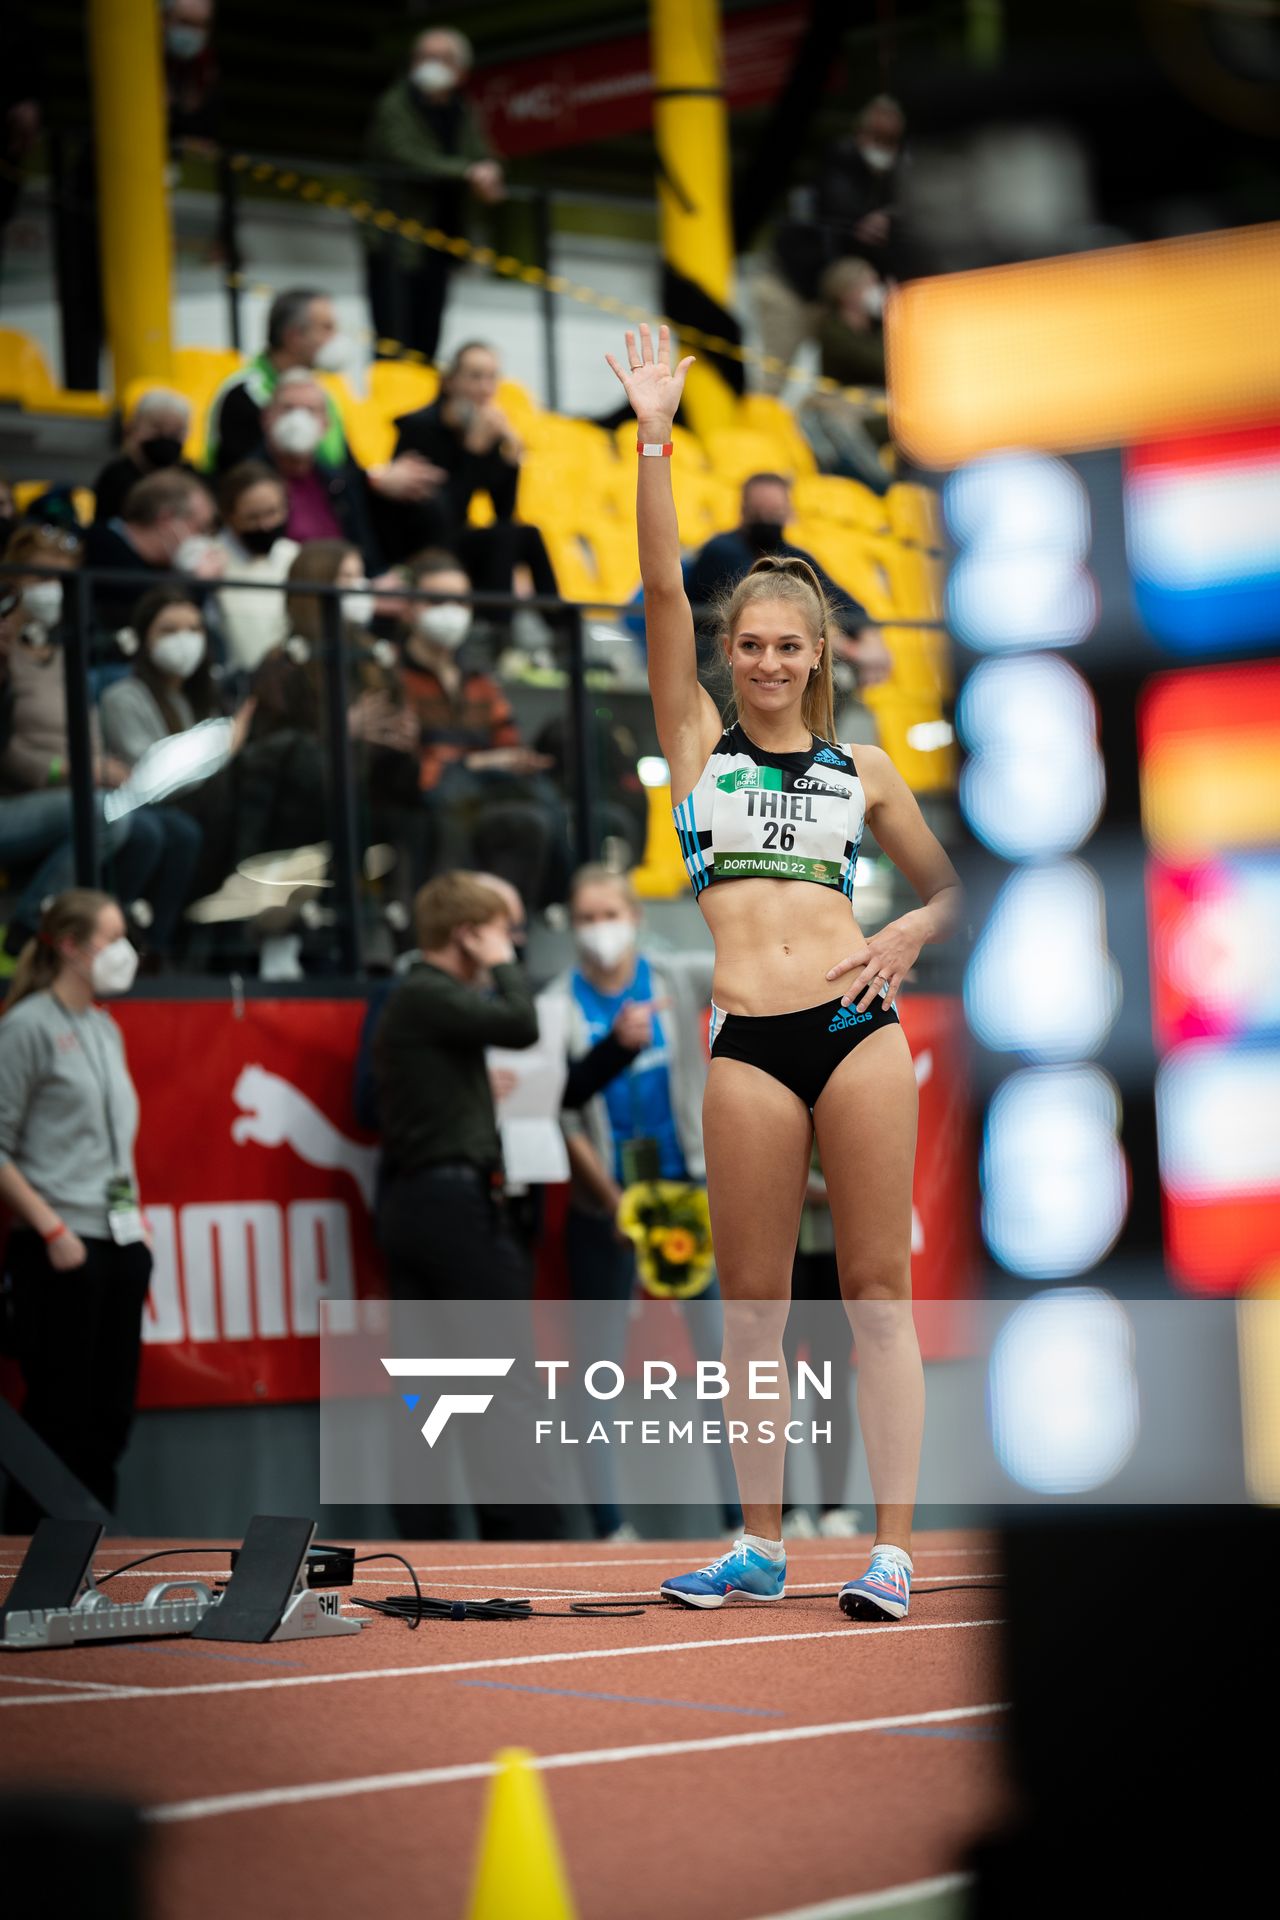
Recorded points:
(879,159)
(873,299)
(434,76)
(191,551)
(448,625)
(357,606)
(183,42)
(335,354)
(179,653)
(114,968)
(43,602)
(297,431)
(606,942)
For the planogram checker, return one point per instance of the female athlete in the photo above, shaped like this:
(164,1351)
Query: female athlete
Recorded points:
(774,805)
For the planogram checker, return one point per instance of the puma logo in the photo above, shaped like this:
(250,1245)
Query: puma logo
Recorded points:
(275,1114)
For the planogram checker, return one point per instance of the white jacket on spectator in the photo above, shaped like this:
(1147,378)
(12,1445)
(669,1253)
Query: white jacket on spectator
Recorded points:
(253,619)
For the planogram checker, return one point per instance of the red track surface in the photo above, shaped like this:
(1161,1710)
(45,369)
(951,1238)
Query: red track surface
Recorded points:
(266,1768)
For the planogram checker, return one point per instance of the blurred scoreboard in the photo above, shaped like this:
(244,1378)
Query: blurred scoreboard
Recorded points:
(1105,428)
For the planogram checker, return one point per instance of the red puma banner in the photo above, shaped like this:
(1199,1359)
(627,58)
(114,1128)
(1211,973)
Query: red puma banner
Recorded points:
(258,1186)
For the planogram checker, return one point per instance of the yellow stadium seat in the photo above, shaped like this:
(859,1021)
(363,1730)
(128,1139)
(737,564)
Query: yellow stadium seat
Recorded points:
(518,404)
(370,433)
(480,511)
(735,453)
(25,379)
(763,413)
(27,491)
(915,737)
(200,371)
(921,663)
(826,496)
(852,560)
(401,386)
(549,492)
(915,514)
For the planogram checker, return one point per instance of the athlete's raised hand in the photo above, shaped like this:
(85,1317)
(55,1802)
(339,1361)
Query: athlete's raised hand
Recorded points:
(650,385)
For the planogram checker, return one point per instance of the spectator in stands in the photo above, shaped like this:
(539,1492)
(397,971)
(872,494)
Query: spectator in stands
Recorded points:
(425,129)
(283,782)
(650,1008)
(253,500)
(766,510)
(154,850)
(171,686)
(190,71)
(153,441)
(303,337)
(8,512)
(22,64)
(492,805)
(466,435)
(79,1256)
(846,434)
(848,214)
(163,528)
(35,822)
(327,500)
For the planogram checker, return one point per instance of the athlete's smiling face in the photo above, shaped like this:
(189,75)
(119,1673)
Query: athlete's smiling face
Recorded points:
(772,656)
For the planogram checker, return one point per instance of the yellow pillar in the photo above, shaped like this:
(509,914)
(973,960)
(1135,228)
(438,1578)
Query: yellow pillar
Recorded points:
(133,209)
(692,138)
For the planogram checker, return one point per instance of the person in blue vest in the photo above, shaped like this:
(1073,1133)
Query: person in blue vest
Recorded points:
(640,1012)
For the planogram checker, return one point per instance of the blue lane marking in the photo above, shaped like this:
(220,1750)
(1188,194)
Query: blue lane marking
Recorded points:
(628,1699)
(199,1653)
(945,1733)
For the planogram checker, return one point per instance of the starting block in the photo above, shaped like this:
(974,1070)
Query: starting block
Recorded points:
(55,1602)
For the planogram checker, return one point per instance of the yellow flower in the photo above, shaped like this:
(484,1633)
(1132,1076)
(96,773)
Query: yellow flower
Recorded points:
(678,1246)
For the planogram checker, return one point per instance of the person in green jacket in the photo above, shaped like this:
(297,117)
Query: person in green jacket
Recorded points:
(425,133)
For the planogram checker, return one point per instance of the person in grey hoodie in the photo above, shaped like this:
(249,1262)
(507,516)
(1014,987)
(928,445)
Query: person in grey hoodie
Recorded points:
(79,1257)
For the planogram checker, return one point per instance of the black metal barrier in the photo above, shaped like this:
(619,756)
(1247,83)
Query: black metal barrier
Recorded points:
(88,643)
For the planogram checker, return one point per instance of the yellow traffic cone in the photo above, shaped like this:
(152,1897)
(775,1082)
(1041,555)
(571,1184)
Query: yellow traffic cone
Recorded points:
(520,1873)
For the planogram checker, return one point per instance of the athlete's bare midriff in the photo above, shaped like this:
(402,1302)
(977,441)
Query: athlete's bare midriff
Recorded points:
(775,940)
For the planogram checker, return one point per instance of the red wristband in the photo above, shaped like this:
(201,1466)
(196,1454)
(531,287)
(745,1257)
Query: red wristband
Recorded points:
(656,448)
(58,1231)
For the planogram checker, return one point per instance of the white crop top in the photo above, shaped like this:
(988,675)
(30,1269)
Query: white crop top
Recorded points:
(775,816)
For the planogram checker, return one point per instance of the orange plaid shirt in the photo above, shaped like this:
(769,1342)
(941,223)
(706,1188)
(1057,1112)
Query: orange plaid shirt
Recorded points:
(476,717)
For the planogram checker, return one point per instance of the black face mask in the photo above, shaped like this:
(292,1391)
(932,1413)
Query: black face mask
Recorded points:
(162,450)
(764,536)
(261,539)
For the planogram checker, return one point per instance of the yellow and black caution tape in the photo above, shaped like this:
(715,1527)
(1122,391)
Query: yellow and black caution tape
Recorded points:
(321,193)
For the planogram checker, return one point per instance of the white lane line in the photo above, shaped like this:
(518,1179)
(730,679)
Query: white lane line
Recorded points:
(43,1680)
(826,1552)
(903,1895)
(855,1636)
(921,1582)
(214,1805)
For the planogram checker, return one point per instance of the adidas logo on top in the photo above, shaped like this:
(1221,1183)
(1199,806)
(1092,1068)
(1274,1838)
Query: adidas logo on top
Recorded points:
(828,758)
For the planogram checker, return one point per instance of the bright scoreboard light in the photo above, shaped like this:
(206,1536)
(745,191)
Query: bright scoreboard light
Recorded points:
(1105,429)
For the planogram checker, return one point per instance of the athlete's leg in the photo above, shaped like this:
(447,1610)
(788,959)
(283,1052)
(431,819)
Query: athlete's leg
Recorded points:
(866,1125)
(757,1136)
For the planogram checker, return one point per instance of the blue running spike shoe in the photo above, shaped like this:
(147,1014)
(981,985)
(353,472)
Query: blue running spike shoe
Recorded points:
(884,1591)
(743,1574)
